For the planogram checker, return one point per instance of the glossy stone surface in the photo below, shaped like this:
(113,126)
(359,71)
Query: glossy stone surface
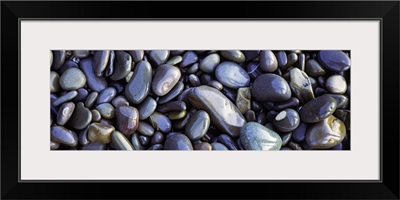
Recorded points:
(107,111)
(106,95)
(64,136)
(209,63)
(95,83)
(255,136)
(145,128)
(270,87)
(65,113)
(233,55)
(243,99)
(146,108)
(54,81)
(165,78)
(81,117)
(334,60)
(197,125)
(188,59)
(120,142)
(326,134)
(178,141)
(336,84)
(100,133)
(127,120)
(65,98)
(160,122)
(175,91)
(100,62)
(314,69)
(122,65)
(301,85)
(232,75)
(287,120)
(268,61)
(158,57)
(317,109)
(223,113)
(139,85)
(58,59)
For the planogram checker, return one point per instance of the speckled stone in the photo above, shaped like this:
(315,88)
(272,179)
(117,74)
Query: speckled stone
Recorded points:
(255,136)
(301,85)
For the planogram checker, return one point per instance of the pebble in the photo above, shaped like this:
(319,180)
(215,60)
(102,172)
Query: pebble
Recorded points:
(81,96)
(255,136)
(136,142)
(171,106)
(250,116)
(232,75)
(146,108)
(107,95)
(54,145)
(300,64)
(254,70)
(100,62)
(127,120)
(178,141)
(188,59)
(58,59)
(145,129)
(81,117)
(193,69)
(165,78)
(120,142)
(65,113)
(138,87)
(110,64)
(250,54)
(299,134)
(341,100)
(83,136)
(326,133)
(334,60)
(81,53)
(227,141)
(216,146)
(107,111)
(222,111)
(336,84)
(270,87)
(314,69)
(301,85)
(65,98)
(233,55)
(317,109)
(158,57)
(137,55)
(243,99)
(54,81)
(197,125)
(122,65)
(287,120)
(205,146)
(64,136)
(158,138)
(174,115)
(174,60)
(100,133)
(268,61)
(194,80)
(91,99)
(215,84)
(209,63)
(95,83)
(160,122)
(175,91)
(96,116)
(281,57)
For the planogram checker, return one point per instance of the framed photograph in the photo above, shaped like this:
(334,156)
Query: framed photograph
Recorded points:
(301,98)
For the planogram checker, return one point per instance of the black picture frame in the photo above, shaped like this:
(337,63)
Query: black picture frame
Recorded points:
(386,11)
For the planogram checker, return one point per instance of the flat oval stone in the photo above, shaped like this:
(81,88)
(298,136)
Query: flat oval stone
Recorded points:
(65,113)
(158,57)
(174,115)
(194,80)
(122,65)
(301,85)
(81,117)
(175,91)
(54,81)
(216,146)
(336,84)
(120,142)
(107,111)
(314,69)
(127,120)
(232,75)
(172,106)
(58,59)
(326,134)
(95,83)
(136,142)
(64,98)
(178,141)
(91,99)
(197,125)
(146,108)
(174,60)
(145,129)
(100,62)
(341,100)
(271,88)
(243,99)
(188,59)
(81,53)
(137,55)
(223,113)
(138,87)
(106,95)
(100,133)
(165,78)
(205,146)
(268,61)
(233,55)
(287,120)
(81,96)
(317,109)
(119,101)
(160,122)
(255,136)
(64,136)
(209,63)
(281,58)
(193,69)
(334,60)
(72,79)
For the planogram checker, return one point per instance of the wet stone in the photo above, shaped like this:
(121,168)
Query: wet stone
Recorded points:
(127,120)
(146,108)
(64,136)
(106,95)
(165,78)
(65,113)
(100,133)
(178,141)
(139,85)
(255,136)
(232,75)
(197,125)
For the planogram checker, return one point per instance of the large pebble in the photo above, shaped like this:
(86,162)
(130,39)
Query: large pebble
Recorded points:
(233,55)
(65,113)
(317,109)
(81,117)
(268,61)
(95,83)
(326,134)
(271,87)
(72,79)
(334,60)
(255,136)
(64,136)
(223,113)
(209,63)
(122,65)
(301,85)
(100,61)
(178,141)
(165,78)
(127,119)
(232,75)
(160,122)
(100,133)
(197,125)
(139,85)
